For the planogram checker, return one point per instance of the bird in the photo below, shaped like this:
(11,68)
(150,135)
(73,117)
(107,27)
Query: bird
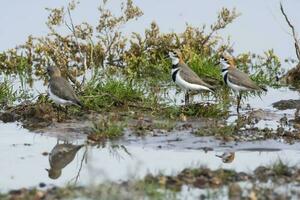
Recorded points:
(235,79)
(227,157)
(60,156)
(185,77)
(60,90)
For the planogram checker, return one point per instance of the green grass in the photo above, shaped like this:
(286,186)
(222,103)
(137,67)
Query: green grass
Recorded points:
(7,95)
(221,131)
(107,129)
(111,93)
(280,168)
(205,67)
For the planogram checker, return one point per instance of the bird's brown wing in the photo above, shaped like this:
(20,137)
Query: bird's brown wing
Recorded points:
(63,89)
(240,78)
(188,74)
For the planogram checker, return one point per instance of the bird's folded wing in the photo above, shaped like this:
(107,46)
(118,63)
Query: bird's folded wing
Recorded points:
(62,88)
(188,74)
(240,78)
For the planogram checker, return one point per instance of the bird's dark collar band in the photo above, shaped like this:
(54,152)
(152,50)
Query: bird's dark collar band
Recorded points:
(224,70)
(225,78)
(174,66)
(174,74)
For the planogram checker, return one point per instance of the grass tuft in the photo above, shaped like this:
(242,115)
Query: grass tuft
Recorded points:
(106,129)
(111,93)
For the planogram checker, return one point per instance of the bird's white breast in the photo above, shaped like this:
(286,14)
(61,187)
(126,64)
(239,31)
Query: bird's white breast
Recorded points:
(58,100)
(186,85)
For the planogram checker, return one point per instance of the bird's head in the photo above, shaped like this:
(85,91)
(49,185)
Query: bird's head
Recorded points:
(53,174)
(175,57)
(226,61)
(53,71)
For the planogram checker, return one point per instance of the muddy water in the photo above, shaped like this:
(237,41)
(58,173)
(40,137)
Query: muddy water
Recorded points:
(25,156)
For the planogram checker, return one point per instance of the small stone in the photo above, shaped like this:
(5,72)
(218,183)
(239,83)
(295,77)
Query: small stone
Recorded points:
(200,182)
(7,117)
(42,185)
(183,117)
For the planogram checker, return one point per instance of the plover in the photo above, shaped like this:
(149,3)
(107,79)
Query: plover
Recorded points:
(185,77)
(237,80)
(60,90)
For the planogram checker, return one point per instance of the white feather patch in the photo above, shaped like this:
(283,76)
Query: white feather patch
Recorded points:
(235,87)
(188,86)
(58,100)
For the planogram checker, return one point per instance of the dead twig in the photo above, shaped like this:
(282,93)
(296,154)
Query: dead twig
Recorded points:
(297,46)
(83,57)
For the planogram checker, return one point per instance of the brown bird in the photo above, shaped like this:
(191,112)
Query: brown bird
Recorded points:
(185,77)
(236,79)
(60,156)
(60,90)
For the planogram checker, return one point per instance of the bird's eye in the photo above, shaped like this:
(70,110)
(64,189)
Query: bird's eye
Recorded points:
(222,57)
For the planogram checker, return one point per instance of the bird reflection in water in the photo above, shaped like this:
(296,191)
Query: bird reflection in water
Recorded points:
(61,155)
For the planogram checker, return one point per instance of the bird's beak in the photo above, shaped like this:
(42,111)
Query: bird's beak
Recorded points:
(47,170)
(217,63)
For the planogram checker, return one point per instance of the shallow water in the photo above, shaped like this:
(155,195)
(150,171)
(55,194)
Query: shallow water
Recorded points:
(23,163)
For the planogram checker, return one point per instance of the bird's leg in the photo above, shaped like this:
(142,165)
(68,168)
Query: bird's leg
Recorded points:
(239,97)
(297,113)
(58,115)
(66,111)
(187,98)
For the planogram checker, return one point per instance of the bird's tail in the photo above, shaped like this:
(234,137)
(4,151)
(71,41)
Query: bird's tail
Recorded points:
(77,102)
(263,88)
(212,89)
